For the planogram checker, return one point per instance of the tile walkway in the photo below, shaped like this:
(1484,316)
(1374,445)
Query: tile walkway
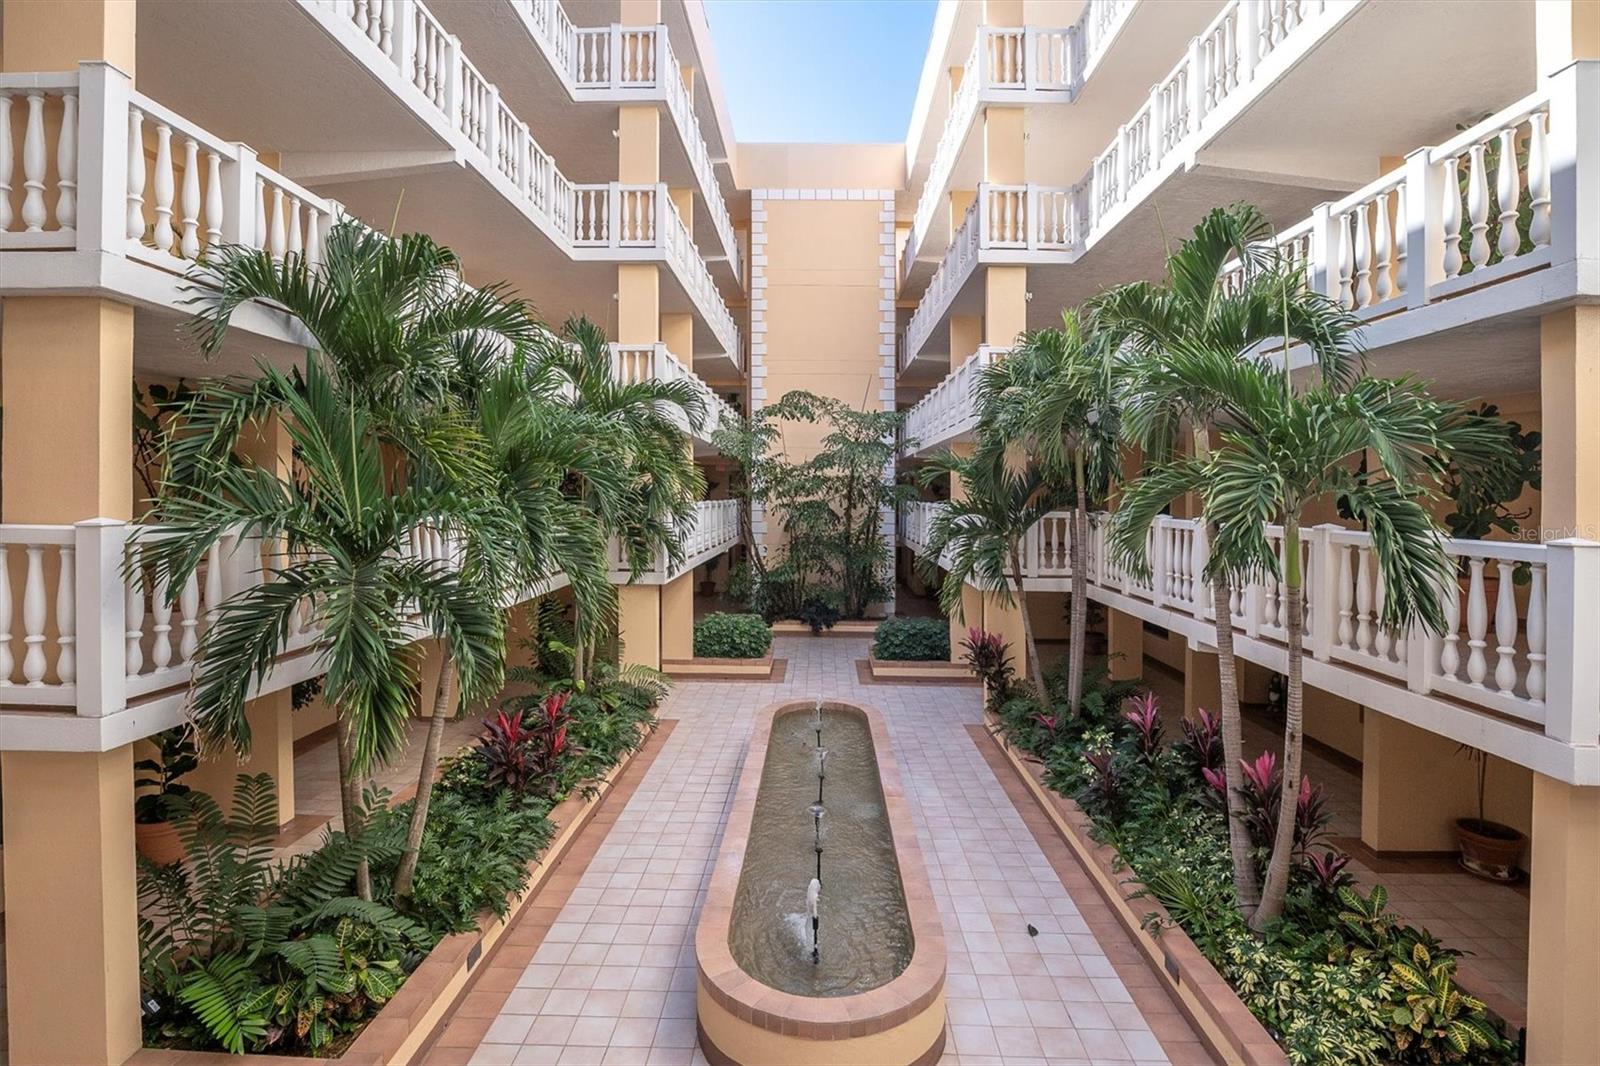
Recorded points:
(612,977)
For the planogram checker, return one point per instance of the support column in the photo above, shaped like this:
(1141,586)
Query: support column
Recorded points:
(271,719)
(1124,645)
(971,614)
(37,35)
(1202,681)
(1005,620)
(1563,923)
(677,617)
(638,163)
(677,333)
(966,334)
(639,624)
(1569,384)
(66,454)
(1396,814)
(1005,305)
(72,950)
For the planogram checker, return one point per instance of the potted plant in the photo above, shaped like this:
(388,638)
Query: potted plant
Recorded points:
(1489,849)
(155,836)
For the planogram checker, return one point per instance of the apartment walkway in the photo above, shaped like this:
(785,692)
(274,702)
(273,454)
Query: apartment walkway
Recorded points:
(613,979)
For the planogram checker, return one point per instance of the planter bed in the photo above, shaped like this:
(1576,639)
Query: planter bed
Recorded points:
(765,668)
(1224,1023)
(402,1026)
(900,671)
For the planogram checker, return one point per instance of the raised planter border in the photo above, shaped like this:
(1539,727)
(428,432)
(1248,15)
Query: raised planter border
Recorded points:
(857,1028)
(402,1028)
(1224,1024)
(914,671)
(764,669)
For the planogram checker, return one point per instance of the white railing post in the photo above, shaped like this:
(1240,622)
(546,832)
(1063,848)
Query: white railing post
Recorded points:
(1321,584)
(1157,127)
(981,203)
(614,56)
(1574,149)
(455,79)
(1322,271)
(241,200)
(1158,564)
(1197,85)
(666,66)
(1199,554)
(1248,27)
(102,158)
(1030,57)
(1573,702)
(404,46)
(1424,207)
(99,546)
(492,132)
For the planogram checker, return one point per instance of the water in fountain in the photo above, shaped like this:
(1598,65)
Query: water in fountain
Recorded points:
(865,936)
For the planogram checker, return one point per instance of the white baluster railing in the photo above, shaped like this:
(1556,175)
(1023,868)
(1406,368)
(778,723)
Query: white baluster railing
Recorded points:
(39,160)
(959,260)
(632,363)
(950,408)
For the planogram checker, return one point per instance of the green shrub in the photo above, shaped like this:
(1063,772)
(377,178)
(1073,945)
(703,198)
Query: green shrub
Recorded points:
(731,636)
(912,640)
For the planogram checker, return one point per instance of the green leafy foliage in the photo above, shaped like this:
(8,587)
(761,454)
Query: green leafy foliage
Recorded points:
(723,635)
(912,640)
(176,757)
(1338,979)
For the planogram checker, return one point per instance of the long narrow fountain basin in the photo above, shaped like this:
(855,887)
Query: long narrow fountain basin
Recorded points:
(875,994)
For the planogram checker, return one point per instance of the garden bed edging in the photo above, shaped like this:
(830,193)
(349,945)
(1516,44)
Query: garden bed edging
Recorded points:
(402,1027)
(1224,1023)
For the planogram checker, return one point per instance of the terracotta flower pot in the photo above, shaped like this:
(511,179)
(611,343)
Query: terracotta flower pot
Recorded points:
(158,842)
(1489,849)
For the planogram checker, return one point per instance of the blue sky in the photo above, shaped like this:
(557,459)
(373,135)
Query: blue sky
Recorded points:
(855,63)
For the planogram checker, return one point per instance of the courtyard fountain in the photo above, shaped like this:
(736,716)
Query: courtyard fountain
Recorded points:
(819,823)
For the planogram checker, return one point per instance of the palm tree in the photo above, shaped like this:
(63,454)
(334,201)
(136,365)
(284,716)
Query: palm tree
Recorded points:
(1055,395)
(983,533)
(397,327)
(1226,291)
(638,433)
(335,526)
(1282,451)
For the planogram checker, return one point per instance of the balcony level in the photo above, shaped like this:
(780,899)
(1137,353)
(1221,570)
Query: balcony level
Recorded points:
(541,59)
(423,141)
(1250,113)
(1079,81)
(1515,680)
(92,657)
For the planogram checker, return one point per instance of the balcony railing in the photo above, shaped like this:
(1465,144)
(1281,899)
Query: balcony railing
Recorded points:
(631,60)
(1444,223)
(949,410)
(1496,650)
(626,217)
(653,362)
(163,190)
(1010,62)
(714,530)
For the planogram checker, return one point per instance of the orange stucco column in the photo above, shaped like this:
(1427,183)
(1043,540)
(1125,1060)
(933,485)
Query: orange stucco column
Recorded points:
(1563,923)
(966,334)
(677,617)
(1124,645)
(639,624)
(677,333)
(1396,815)
(1569,384)
(1202,682)
(1005,620)
(1005,304)
(45,35)
(970,615)
(271,752)
(66,454)
(72,947)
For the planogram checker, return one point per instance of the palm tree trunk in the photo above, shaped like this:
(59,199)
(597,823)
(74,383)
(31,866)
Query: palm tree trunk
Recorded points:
(430,765)
(1029,645)
(350,800)
(1276,885)
(1079,623)
(1245,884)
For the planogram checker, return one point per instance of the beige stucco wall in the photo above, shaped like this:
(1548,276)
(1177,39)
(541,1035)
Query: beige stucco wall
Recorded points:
(821,166)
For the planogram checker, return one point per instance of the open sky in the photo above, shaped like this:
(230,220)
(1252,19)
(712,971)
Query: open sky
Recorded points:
(820,70)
